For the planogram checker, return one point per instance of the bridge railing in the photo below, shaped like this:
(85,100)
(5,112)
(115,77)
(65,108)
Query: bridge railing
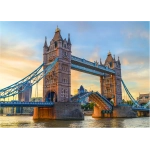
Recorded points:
(24,104)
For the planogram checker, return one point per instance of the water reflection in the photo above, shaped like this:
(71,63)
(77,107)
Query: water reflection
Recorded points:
(88,122)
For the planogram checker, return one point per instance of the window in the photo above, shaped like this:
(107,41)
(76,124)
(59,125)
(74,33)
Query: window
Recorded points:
(110,64)
(64,45)
(55,44)
(66,93)
(62,92)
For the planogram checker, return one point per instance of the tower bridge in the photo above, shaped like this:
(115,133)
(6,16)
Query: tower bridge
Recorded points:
(56,75)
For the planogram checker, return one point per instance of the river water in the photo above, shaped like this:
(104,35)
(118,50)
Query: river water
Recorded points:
(88,122)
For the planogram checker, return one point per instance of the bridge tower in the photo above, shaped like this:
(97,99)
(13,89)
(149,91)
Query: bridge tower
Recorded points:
(111,84)
(57,84)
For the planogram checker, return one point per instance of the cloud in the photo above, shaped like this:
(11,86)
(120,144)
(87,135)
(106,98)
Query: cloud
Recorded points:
(95,55)
(83,26)
(135,71)
(136,32)
(16,61)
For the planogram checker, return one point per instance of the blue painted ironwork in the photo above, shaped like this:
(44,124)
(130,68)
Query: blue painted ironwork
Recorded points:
(81,98)
(86,70)
(99,96)
(21,85)
(34,73)
(129,94)
(90,65)
(140,109)
(26,104)
(106,101)
(136,105)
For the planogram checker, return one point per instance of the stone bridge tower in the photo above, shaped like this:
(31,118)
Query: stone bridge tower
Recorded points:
(57,84)
(111,84)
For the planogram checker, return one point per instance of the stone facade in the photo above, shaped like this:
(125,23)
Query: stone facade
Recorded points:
(124,112)
(118,112)
(143,98)
(65,110)
(57,84)
(111,84)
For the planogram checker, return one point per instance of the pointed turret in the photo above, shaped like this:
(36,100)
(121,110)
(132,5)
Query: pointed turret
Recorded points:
(69,42)
(114,58)
(57,36)
(119,61)
(45,43)
(100,62)
(109,58)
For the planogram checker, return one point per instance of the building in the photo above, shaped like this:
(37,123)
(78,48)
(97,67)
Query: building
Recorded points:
(79,93)
(25,96)
(111,84)
(81,90)
(143,98)
(57,83)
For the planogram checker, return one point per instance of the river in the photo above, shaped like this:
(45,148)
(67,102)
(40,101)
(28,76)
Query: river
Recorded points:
(88,122)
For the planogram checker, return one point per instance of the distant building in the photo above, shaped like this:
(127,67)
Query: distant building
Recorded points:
(81,92)
(25,96)
(143,98)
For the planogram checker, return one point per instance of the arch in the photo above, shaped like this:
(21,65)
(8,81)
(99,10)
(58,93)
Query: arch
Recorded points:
(51,96)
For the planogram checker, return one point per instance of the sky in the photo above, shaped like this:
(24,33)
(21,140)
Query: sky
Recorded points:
(21,50)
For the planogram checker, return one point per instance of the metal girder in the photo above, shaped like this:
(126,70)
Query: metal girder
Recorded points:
(109,104)
(129,94)
(21,85)
(86,70)
(135,103)
(98,96)
(23,80)
(26,104)
(96,99)
(90,65)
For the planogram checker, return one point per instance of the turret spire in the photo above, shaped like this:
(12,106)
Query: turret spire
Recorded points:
(119,61)
(57,35)
(109,53)
(45,44)
(114,58)
(57,29)
(100,62)
(69,42)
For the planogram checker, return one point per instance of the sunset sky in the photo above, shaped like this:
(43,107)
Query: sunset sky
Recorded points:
(21,50)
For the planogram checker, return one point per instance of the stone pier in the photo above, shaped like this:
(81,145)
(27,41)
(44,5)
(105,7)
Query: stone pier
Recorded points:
(118,112)
(60,110)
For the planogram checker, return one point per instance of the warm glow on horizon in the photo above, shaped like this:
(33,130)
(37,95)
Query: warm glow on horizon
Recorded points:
(22,52)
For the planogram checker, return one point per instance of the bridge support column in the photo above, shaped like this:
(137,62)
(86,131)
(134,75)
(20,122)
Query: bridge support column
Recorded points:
(97,112)
(61,110)
(43,113)
(143,113)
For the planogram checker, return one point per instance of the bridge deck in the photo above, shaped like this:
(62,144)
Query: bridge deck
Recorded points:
(90,65)
(26,104)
